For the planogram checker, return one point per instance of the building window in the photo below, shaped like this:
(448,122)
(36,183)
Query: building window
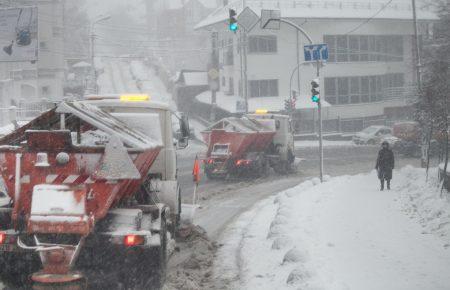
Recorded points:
(224,81)
(262,44)
(330,90)
(361,89)
(362,48)
(355,90)
(331,42)
(342,48)
(45,90)
(343,90)
(229,57)
(231,86)
(263,88)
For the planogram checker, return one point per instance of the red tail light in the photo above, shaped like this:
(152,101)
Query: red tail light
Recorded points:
(133,240)
(2,237)
(242,162)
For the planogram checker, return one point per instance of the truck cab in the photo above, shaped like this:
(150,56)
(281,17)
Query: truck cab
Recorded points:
(150,117)
(283,141)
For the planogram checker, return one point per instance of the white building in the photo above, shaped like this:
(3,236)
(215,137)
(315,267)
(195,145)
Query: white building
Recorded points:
(370,70)
(26,82)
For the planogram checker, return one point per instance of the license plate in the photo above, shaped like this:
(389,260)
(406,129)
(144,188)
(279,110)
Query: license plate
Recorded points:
(5,248)
(8,248)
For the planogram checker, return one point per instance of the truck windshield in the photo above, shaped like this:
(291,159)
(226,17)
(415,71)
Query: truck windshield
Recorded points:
(220,149)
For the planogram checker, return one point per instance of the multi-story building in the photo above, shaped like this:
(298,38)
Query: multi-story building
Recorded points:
(32,81)
(370,72)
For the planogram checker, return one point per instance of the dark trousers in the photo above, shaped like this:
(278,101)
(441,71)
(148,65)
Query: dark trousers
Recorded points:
(384,173)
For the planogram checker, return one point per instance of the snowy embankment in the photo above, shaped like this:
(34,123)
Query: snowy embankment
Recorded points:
(342,234)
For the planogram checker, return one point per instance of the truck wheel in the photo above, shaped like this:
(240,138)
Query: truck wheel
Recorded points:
(149,271)
(16,269)
(160,267)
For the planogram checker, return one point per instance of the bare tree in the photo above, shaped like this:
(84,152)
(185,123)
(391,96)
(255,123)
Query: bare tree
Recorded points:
(432,107)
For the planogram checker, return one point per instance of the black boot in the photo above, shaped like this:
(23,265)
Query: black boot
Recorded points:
(389,184)
(382,184)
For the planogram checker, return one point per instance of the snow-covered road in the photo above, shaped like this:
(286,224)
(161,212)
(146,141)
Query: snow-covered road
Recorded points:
(343,234)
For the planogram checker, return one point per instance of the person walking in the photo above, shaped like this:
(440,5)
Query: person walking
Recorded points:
(385,165)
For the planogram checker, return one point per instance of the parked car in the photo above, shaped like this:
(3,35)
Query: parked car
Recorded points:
(410,143)
(372,135)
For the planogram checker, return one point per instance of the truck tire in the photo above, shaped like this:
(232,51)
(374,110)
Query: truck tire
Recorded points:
(16,269)
(159,272)
(149,272)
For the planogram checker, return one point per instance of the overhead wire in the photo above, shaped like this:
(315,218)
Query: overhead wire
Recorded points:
(370,18)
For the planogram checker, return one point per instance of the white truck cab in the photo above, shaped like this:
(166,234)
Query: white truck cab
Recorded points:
(150,117)
(283,139)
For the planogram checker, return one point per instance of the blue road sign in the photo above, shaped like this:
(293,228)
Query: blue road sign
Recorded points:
(316,52)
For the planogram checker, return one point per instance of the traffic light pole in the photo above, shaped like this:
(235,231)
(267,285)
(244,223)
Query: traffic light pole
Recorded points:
(319,111)
(319,103)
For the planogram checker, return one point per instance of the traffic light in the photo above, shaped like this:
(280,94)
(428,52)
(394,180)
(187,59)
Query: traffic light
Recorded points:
(294,95)
(294,100)
(287,105)
(233,23)
(315,90)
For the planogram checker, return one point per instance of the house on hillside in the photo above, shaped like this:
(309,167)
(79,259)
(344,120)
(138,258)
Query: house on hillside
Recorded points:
(370,74)
(178,44)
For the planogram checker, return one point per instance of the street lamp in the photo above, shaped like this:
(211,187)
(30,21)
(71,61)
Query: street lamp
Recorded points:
(92,48)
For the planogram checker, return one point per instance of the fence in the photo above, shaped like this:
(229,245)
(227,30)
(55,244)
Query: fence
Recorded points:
(339,125)
(24,111)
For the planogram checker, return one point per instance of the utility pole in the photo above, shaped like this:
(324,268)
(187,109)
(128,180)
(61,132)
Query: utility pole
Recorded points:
(416,46)
(319,111)
(298,60)
(245,87)
(425,149)
(213,74)
(92,50)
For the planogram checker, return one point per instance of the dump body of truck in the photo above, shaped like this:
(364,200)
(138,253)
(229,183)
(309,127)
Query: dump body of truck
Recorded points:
(80,185)
(246,146)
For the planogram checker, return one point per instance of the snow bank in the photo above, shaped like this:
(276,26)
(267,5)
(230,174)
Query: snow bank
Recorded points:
(342,234)
(425,203)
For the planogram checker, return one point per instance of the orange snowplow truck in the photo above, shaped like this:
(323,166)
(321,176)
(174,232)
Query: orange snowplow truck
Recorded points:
(84,200)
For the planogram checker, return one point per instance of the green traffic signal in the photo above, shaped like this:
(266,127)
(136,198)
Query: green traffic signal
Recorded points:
(315,99)
(233,23)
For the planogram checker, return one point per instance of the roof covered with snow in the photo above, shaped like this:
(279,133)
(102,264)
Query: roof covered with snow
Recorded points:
(177,4)
(195,78)
(331,9)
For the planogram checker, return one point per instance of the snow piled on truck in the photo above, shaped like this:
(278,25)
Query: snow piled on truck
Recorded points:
(342,234)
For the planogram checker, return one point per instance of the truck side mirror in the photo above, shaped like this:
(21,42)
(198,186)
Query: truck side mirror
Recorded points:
(184,126)
(185,132)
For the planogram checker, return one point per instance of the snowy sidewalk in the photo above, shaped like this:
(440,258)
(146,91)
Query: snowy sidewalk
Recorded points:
(343,234)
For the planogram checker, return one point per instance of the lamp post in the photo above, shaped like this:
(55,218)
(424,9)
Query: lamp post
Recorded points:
(92,49)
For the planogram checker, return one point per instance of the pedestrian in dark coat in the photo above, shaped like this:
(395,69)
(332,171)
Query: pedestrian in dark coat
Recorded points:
(385,165)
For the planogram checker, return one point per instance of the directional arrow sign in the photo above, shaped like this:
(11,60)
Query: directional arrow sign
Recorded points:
(248,19)
(316,52)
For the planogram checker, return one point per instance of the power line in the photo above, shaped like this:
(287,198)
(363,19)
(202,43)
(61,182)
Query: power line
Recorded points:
(372,17)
